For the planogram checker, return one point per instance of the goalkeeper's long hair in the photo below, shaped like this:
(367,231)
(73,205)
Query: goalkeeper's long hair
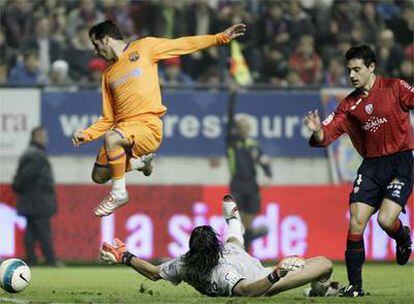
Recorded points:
(205,251)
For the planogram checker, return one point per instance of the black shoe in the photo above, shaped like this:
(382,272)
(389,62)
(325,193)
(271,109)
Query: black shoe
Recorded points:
(404,250)
(352,292)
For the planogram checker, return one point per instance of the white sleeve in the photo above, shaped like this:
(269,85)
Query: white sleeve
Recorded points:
(170,271)
(227,278)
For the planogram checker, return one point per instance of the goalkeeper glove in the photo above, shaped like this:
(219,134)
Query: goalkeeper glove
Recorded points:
(115,254)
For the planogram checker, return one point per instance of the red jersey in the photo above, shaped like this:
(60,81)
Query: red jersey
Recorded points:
(378,124)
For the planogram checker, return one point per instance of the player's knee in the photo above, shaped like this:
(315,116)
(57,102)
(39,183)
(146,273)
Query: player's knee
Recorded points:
(326,265)
(111,139)
(385,221)
(356,224)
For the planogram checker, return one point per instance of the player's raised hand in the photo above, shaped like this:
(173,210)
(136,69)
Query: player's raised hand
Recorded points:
(312,121)
(78,138)
(235,31)
(113,254)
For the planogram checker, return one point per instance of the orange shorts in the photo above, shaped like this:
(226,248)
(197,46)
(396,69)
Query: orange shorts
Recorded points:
(144,137)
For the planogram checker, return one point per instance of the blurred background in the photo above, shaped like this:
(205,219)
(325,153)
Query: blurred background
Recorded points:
(289,62)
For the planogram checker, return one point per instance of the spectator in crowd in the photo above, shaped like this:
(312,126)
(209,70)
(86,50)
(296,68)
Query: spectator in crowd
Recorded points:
(49,49)
(118,11)
(36,197)
(343,14)
(407,70)
(244,154)
(298,22)
(335,75)
(293,79)
(17,19)
(167,19)
(85,14)
(273,28)
(236,12)
(7,55)
(389,54)
(201,20)
(3,72)
(27,72)
(96,68)
(56,11)
(333,25)
(172,75)
(79,53)
(358,33)
(275,67)
(371,21)
(306,62)
(59,74)
(211,77)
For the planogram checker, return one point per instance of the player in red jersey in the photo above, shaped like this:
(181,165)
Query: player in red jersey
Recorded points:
(376,117)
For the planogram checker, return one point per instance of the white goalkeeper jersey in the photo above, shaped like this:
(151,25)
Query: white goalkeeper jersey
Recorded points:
(235,265)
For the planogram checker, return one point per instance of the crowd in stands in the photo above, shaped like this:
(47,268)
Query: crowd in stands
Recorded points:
(294,43)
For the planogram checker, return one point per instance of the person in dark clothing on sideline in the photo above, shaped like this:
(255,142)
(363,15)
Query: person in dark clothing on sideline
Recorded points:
(35,188)
(244,154)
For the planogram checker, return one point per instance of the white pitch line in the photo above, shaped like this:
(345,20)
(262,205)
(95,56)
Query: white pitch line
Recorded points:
(23,301)
(11,300)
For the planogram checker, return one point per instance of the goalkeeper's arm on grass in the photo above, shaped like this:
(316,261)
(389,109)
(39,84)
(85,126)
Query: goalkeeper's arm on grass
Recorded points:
(117,254)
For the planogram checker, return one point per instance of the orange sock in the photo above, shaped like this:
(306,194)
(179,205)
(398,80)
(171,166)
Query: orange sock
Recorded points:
(117,163)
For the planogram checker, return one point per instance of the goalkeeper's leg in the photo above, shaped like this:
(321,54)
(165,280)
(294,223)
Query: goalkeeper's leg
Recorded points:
(318,268)
(231,214)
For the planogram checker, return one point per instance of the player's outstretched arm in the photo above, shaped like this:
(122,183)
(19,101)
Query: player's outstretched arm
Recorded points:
(313,122)
(261,287)
(117,254)
(167,48)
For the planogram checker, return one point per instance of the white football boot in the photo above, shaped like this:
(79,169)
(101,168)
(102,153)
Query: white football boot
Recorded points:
(109,204)
(230,209)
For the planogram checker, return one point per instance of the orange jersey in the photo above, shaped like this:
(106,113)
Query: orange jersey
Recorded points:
(130,86)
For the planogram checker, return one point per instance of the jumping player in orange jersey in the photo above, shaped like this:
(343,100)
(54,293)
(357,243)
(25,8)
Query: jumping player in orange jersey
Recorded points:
(132,107)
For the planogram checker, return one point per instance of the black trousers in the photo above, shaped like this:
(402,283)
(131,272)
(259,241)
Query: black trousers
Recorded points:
(38,230)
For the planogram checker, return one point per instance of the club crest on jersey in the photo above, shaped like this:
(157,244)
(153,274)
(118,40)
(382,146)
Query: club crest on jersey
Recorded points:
(369,108)
(134,56)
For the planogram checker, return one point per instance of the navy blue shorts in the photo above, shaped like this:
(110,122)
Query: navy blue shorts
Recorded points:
(388,177)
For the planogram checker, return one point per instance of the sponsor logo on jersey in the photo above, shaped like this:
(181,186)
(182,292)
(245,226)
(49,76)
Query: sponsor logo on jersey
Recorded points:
(328,119)
(121,80)
(407,86)
(396,193)
(374,123)
(369,108)
(396,184)
(134,56)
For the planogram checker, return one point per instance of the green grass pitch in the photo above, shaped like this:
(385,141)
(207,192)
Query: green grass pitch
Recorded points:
(387,283)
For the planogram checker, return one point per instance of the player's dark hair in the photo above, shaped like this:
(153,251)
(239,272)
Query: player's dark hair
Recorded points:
(205,251)
(363,52)
(105,28)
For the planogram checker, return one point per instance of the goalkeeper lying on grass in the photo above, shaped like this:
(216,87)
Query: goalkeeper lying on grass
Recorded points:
(215,269)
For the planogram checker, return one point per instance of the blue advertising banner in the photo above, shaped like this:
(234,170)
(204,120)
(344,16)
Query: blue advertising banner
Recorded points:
(195,124)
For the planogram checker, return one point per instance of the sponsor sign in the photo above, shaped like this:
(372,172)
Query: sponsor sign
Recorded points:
(195,124)
(157,222)
(19,114)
